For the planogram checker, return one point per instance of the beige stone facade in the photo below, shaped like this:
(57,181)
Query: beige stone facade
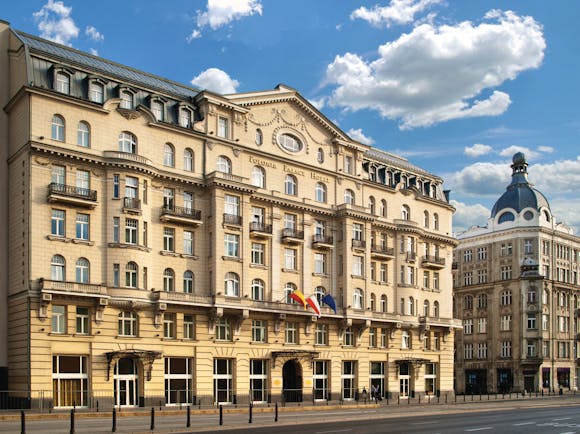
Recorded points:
(516,291)
(156,233)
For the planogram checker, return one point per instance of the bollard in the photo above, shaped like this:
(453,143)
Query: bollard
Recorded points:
(114,429)
(22,422)
(276,413)
(152,418)
(419,398)
(250,411)
(97,406)
(188,419)
(72,422)
(221,414)
(399,400)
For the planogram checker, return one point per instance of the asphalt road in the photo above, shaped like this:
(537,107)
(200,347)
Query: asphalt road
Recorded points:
(559,416)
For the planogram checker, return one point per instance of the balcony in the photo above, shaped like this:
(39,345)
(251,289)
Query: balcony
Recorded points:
(232,220)
(72,195)
(359,244)
(260,229)
(411,256)
(382,252)
(131,205)
(178,214)
(72,288)
(292,236)
(127,156)
(322,241)
(183,298)
(430,261)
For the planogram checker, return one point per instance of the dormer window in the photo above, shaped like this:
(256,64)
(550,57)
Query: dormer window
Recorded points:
(127,99)
(158,109)
(223,127)
(185,116)
(96,90)
(62,82)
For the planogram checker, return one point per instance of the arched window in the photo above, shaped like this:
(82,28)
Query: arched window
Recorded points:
(426,308)
(82,270)
(168,280)
(127,143)
(62,84)
(257,289)
(405,213)
(319,292)
(436,309)
(411,306)
(383,211)
(57,128)
(232,285)
(259,137)
(357,299)
(128,322)
(57,270)
(224,164)
(131,275)
(372,205)
(426,219)
(320,192)
(188,282)
(258,177)
(188,160)
(126,100)
(320,155)
(83,135)
(349,196)
(436,221)
(169,155)
(506,217)
(290,185)
(373,302)
(383,303)
(289,288)
(546,216)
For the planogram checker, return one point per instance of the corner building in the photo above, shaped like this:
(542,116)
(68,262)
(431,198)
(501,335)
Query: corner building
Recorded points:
(516,291)
(156,233)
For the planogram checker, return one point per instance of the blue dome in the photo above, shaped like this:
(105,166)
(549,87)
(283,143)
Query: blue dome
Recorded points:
(519,194)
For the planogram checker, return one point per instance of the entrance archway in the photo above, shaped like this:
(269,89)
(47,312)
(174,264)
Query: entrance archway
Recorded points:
(126,380)
(292,381)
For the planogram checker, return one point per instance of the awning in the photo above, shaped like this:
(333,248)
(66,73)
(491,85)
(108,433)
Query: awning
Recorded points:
(147,357)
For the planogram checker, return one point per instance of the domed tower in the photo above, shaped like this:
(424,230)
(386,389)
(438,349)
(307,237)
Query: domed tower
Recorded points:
(520,194)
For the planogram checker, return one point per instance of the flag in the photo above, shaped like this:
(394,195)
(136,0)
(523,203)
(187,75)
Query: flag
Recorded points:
(313,303)
(328,300)
(298,297)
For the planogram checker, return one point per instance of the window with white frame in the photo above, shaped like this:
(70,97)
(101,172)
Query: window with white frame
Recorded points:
(57,223)
(289,288)
(185,117)
(320,379)
(349,196)
(506,272)
(531,348)
(430,378)
(482,350)
(468,351)
(232,285)
(259,380)
(96,92)
(383,275)
(169,325)
(321,334)
(506,249)
(467,255)
(468,326)
(358,266)
(188,242)
(188,282)
(290,262)
(291,332)
(168,280)
(506,350)
(169,239)
(82,269)
(58,319)
(232,205)
(188,160)
(223,329)
(57,268)
(70,381)
(506,298)
(127,323)
(320,263)
(131,275)
(83,135)
(405,340)
(178,380)
(257,289)
(127,143)
(57,128)
(223,127)
(259,138)
(168,155)
(505,323)
(348,337)
(258,330)
(232,245)
(481,253)
(188,327)
(126,100)
(320,192)
(82,320)
(348,379)
(531,323)
(258,177)
(482,325)
(224,164)
(290,185)
(158,109)
(358,299)
(258,253)
(223,381)
(62,82)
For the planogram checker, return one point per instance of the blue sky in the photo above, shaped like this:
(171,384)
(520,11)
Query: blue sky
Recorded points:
(455,86)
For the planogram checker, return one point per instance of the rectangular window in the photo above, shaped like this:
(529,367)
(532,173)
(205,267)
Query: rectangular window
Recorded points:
(321,334)
(377,378)
(481,276)
(468,278)
(82,321)
(430,378)
(506,272)
(436,280)
(223,330)
(169,239)
(532,350)
(169,325)
(223,127)
(426,279)
(62,83)
(290,262)
(70,381)
(116,229)
(482,325)
(372,337)
(291,335)
(468,351)
(505,323)
(319,263)
(231,245)
(116,275)
(348,379)
(115,186)
(468,326)
(383,341)
(506,349)
(259,380)
(57,223)
(528,247)
(357,266)
(348,165)
(320,379)
(58,319)
(83,182)
(258,331)
(178,380)
(232,205)
(405,340)
(131,187)
(58,175)
(482,350)
(531,321)
(383,276)
(506,249)
(131,226)
(545,322)
(188,242)
(481,253)
(467,255)
(348,337)
(96,92)
(188,327)
(82,227)
(357,232)
(223,381)
(258,250)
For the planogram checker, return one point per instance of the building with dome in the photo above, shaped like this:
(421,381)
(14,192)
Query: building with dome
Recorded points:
(164,244)
(516,291)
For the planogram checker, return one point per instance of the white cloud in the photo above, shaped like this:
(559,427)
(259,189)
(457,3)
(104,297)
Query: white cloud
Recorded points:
(55,23)
(546,149)
(94,34)
(318,103)
(480,179)
(466,215)
(359,136)
(477,150)
(567,211)
(195,34)
(220,13)
(397,12)
(215,80)
(438,73)
(559,177)
(94,51)
(511,150)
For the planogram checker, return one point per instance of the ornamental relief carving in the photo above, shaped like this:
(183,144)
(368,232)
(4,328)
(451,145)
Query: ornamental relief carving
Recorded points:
(42,161)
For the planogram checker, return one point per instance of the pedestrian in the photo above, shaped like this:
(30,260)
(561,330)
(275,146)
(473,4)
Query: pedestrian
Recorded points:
(364,395)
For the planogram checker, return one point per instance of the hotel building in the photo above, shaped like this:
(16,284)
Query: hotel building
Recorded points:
(153,233)
(516,291)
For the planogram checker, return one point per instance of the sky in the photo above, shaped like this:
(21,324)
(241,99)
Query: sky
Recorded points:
(455,86)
